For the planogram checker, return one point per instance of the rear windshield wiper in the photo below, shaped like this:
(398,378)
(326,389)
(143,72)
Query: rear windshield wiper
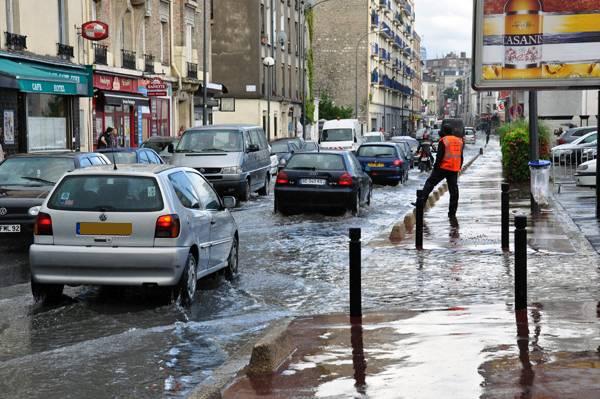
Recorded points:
(38,179)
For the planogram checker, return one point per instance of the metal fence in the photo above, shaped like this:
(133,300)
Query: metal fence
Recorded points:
(565,163)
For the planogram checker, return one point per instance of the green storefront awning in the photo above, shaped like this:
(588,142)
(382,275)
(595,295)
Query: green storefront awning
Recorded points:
(33,78)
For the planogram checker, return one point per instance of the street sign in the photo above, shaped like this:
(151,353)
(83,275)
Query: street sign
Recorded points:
(94,30)
(156,88)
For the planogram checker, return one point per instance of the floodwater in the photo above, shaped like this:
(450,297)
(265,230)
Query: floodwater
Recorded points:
(124,343)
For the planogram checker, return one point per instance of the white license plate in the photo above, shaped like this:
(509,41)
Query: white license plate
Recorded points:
(10,228)
(314,182)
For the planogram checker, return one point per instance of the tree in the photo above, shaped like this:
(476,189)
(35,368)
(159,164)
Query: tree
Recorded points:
(451,93)
(329,111)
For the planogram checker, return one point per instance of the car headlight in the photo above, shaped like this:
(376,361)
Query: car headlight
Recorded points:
(582,167)
(231,170)
(282,162)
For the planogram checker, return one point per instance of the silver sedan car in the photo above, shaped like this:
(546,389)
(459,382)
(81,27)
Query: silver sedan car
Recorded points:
(139,225)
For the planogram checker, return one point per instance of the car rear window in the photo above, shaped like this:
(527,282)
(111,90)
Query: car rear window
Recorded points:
(107,193)
(279,147)
(376,151)
(317,161)
(373,139)
(122,157)
(34,171)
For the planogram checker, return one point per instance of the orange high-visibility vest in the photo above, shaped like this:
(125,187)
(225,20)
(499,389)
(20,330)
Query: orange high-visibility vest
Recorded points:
(453,147)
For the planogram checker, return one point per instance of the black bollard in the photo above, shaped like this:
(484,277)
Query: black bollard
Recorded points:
(480,151)
(419,222)
(355,283)
(520,262)
(505,216)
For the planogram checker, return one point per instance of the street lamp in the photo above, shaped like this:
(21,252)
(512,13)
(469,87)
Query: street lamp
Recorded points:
(356,69)
(268,62)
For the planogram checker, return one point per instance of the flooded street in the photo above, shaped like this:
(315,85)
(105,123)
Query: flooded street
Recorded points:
(124,343)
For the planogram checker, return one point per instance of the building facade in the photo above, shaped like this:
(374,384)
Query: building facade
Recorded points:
(447,72)
(429,93)
(416,109)
(244,34)
(364,59)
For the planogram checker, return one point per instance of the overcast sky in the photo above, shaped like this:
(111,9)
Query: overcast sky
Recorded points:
(444,26)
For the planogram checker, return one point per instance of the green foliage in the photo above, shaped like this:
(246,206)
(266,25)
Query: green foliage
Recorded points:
(514,138)
(328,110)
(451,93)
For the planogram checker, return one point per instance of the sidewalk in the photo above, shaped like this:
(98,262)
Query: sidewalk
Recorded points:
(462,338)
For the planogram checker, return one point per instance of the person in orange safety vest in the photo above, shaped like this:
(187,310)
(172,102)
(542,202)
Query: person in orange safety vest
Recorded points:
(448,164)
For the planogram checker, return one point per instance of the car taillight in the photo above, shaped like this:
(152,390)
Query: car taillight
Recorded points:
(43,225)
(345,180)
(398,162)
(561,141)
(282,178)
(167,226)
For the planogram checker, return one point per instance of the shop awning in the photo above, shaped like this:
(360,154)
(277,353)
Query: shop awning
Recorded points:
(32,78)
(114,98)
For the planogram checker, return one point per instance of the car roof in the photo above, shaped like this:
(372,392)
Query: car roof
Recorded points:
(125,169)
(122,149)
(66,154)
(385,144)
(232,126)
(342,153)
(162,138)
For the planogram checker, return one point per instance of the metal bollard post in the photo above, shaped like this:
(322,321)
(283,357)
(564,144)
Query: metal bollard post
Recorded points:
(480,151)
(520,262)
(505,216)
(419,222)
(355,277)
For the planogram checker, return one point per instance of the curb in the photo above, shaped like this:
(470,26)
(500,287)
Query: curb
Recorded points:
(272,349)
(401,229)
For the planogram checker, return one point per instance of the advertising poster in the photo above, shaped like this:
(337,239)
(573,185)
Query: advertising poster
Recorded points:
(536,43)
(9,127)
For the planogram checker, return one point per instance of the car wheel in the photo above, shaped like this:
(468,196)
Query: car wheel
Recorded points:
(186,289)
(356,205)
(46,292)
(266,190)
(245,193)
(232,262)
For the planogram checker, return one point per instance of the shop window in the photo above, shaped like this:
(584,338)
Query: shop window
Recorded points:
(46,122)
(160,117)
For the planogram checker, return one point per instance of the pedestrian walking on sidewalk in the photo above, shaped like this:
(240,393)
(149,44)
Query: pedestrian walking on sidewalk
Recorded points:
(448,163)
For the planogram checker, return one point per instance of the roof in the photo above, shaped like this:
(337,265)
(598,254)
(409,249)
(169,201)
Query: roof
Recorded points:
(232,126)
(54,154)
(124,169)
(162,138)
(120,149)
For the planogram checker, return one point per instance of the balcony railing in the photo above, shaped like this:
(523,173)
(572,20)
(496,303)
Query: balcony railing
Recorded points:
(128,59)
(15,41)
(148,63)
(192,70)
(100,54)
(64,51)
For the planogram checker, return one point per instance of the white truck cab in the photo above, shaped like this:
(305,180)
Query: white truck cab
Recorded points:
(341,134)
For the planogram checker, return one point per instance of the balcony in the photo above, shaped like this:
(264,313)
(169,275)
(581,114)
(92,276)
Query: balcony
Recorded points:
(15,41)
(64,51)
(148,63)
(128,59)
(192,70)
(100,54)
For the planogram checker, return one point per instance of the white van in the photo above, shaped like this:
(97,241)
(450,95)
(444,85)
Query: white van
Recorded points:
(342,134)
(374,137)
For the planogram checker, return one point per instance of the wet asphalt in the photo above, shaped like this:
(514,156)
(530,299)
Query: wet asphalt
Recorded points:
(124,343)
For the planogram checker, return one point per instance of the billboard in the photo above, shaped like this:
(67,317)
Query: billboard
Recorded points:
(533,44)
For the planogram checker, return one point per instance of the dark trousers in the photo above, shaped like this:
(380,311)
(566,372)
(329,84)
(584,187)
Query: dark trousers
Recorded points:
(451,178)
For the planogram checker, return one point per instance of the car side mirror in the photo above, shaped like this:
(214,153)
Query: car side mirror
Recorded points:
(229,202)
(252,148)
(171,148)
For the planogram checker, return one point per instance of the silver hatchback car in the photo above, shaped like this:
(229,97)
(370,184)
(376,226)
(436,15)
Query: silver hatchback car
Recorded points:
(140,225)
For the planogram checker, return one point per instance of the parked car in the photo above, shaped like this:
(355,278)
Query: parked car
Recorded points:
(234,158)
(310,146)
(284,150)
(298,141)
(573,134)
(343,134)
(585,175)
(26,180)
(412,142)
(409,149)
(151,225)
(162,144)
(470,135)
(573,153)
(373,137)
(384,162)
(322,181)
(123,155)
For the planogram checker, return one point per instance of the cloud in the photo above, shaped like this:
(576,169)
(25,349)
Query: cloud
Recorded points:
(444,25)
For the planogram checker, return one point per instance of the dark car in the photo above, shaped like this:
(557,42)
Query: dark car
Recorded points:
(132,155)
(322,181)
(574,133)
(384,162)
(310,146)
(284,150)
(26,180)
(299,141)
(162,145)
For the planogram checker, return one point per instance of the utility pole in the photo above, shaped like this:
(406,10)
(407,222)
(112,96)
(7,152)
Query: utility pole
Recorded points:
(204,68)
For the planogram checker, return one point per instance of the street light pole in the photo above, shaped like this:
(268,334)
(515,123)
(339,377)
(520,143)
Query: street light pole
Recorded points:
(268,63)
(204,72)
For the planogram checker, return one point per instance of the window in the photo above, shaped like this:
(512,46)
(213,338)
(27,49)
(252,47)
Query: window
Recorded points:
(262,19)
(255,138)
(164,43)
(208,198)
(84,163)
(96,161)
(189,34)
(143,157)
(184,190)
(9,16)
(63,36)
(31,171)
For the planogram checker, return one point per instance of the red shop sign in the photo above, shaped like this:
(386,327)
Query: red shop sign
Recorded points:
(156,88)
(94,30)
(115,83)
